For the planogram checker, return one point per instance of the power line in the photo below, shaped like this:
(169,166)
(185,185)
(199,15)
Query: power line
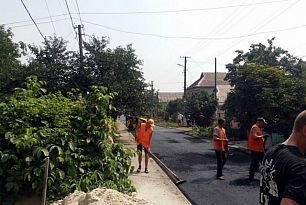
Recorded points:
(223,27)
(73,26)
(82,26)
(41,18)
(186,10)
(196,38)
(151,12)
(43,22)
(50,16)
(33,20)
(76,1)
(265,23)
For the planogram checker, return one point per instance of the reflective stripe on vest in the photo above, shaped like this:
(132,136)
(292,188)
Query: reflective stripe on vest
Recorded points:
(220,145)
(255,144)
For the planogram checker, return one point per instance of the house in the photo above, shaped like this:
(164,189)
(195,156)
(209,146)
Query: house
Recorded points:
(165,97)
(207,82)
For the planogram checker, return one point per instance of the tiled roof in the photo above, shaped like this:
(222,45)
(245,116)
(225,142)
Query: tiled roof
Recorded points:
(168,96)
(208,80)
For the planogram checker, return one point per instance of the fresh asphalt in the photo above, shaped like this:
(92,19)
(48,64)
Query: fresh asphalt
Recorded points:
(193,160)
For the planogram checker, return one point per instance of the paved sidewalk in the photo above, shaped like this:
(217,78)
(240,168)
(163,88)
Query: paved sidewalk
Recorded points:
(155,187)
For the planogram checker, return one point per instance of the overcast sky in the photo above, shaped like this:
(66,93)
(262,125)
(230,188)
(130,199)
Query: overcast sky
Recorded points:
(209,29)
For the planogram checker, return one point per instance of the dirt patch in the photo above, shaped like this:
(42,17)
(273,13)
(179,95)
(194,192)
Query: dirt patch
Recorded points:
(100,197)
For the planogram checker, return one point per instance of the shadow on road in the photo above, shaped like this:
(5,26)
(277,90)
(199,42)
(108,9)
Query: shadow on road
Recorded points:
(170,141)
(245,182)
(207,180)
(195,139)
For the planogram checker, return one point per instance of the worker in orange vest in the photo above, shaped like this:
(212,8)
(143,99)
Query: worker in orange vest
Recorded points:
(220,147)
(143,138)
(256,145)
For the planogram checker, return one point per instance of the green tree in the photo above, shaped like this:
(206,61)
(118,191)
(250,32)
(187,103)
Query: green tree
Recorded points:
(10,67)
(266,55)
(175,106)
(262,90)
(51,62)
(200,107)
(118,70)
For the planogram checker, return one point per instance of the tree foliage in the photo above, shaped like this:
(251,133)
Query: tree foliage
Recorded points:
(175,106)
(51,62)
(10,68)
(267,81)
(119,70)
(75,133)
(266,55)
(269,92)
(200,108)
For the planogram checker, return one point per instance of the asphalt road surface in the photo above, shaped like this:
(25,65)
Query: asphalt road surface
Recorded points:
(193,160)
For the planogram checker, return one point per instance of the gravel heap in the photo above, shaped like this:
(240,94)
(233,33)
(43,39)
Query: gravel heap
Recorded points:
(100,197)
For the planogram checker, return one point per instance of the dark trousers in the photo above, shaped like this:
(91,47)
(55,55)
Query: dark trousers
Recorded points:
(256,159)
(221,159)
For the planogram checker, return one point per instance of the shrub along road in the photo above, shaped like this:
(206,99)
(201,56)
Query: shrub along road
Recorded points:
(193,159)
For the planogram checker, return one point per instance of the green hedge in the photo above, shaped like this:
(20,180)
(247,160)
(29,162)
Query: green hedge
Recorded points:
(75,132)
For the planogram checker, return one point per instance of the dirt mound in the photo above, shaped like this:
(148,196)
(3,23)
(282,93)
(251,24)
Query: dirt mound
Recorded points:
(100,197)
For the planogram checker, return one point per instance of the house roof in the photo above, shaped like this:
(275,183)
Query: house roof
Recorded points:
(222,93)
(168,96)
(208,80)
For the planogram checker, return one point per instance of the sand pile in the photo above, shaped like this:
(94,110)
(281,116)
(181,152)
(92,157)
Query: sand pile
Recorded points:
(100,197)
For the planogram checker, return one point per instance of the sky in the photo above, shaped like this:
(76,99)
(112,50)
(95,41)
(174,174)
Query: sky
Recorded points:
(163,31)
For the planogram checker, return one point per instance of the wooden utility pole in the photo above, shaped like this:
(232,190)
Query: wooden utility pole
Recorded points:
(215,90)
(152,88)
(80,45)
(185,69)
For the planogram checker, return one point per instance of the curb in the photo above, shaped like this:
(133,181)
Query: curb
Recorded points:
(171,193)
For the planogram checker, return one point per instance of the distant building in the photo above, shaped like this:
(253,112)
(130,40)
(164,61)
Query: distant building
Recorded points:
(165,97)
(207,82)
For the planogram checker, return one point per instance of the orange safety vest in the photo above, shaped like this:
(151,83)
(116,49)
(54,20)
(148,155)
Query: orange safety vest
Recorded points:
(143,135)
(220,145)
(255,144)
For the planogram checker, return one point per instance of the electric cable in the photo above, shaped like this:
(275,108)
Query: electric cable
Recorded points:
(150,12)
(72,23)
(186,10)
(195,38)
(42,22)
(50,16)
(33,20)
(257,28)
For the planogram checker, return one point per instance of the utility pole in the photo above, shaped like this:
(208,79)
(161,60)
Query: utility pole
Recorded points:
(80,45)
(152,88)
(185,68)
(215,90)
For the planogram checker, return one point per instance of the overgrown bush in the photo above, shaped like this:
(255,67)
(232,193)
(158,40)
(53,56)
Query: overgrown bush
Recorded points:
(76,133)
(202,131)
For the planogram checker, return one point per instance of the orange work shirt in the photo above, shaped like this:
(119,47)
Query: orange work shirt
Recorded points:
(220,133)
(255,144)
(143,135)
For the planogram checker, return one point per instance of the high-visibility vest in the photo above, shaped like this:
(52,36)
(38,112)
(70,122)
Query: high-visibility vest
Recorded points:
(143,135)
(255,144)
(220,145)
